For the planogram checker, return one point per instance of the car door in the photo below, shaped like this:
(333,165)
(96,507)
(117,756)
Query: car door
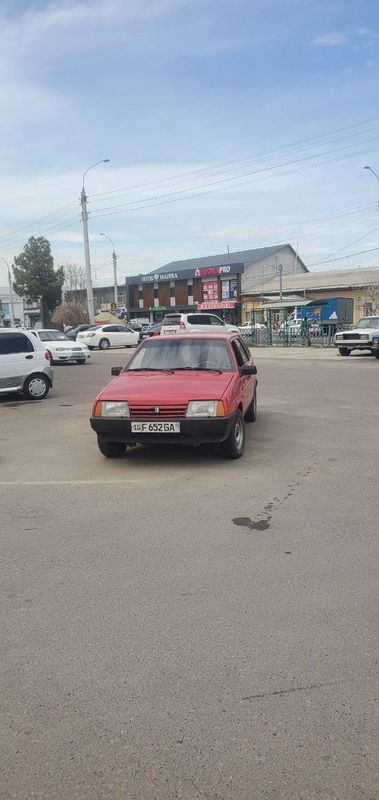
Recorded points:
(243,356)
(129,336)
(16,358)
(112,333)
(217,324)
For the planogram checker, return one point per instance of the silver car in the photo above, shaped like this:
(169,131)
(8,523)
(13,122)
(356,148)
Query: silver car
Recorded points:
(24,364)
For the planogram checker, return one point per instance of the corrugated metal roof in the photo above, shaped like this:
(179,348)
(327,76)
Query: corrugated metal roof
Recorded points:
(331,279)
(240,256)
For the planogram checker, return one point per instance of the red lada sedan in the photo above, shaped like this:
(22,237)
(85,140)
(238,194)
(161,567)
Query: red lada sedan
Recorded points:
(186,389)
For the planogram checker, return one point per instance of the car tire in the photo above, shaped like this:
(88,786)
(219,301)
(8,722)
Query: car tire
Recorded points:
(344,351)
(81,361)
(376,355)
(36,387)
(251,413)
(104,344)
(111,449)
(234,445)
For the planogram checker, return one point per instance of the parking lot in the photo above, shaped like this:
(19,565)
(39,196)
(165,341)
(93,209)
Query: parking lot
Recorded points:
(176,625)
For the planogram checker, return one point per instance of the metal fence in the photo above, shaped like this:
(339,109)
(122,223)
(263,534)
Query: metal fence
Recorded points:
(306,332)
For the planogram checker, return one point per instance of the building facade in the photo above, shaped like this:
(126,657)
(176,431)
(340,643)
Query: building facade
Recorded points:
(5,308)
(214,288)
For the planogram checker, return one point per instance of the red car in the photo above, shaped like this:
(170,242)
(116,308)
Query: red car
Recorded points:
(187,389)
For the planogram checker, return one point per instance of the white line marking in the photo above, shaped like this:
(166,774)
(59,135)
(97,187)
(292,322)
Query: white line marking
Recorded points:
(68,483)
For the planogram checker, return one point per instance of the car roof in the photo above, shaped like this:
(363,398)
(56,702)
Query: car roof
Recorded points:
(184,336)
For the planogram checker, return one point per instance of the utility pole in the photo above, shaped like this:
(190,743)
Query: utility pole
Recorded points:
(87,258)
(114,259)
(12,316)
(280,271)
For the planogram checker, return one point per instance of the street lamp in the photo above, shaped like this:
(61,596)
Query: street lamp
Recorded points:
(114,259)
(87,261)
(10,292)
(374,173)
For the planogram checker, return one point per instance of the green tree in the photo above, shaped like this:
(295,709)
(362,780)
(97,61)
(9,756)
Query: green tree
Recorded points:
(35,277)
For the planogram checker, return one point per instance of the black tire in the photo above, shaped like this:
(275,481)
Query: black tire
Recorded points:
(104,344)
(36,387)
(344,351)
(234,445)
(111,449)
(81,361)
(251,413)
(376,355)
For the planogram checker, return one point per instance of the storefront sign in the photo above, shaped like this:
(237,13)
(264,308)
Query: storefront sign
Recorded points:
(229,289)
(203,271)
(219,304)
(159,276)
(158,308)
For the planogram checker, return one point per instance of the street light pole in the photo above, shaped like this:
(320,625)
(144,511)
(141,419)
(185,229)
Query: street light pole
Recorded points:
(374,173)
(114,259)
(10,292)
(87,259)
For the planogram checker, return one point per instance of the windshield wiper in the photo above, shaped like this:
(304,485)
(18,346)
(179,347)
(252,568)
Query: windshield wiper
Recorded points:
(150,369)
(197,369)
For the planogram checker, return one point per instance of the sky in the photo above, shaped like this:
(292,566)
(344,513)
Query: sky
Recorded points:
(228,123)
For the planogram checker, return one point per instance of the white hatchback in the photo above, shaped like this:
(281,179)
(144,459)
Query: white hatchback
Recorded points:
(24,364)
(60,347)
(107,336)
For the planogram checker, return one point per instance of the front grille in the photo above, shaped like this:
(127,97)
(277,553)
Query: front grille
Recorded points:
(351,336)
(165,412)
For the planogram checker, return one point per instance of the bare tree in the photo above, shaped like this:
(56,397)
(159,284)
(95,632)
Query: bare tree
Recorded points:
(368,299)
(69,314)
(74,277)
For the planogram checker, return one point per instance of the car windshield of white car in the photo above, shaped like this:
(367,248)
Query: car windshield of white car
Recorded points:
(52,336)
(368,322)
(183,354)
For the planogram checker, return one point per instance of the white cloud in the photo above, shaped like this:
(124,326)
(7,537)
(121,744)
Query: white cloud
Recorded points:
(335,39)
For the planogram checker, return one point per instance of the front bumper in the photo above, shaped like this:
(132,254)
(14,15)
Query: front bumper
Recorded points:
(211,430)
(354,344)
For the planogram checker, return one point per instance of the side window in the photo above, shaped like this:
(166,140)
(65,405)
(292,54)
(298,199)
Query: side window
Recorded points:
(239,354)
(244,348)
(216,320)
(199,319)
(110,329)
(15,343)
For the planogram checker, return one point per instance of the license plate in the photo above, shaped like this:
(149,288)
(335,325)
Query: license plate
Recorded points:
(155,427)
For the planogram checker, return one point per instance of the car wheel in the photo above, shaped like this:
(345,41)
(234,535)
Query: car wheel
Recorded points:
(104,344)
(111,449)
(36,387)
(234,445)
(376,355)
(344,351)
(80,360)
(251,413)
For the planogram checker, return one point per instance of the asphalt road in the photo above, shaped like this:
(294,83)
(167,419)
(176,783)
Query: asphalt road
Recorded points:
(179,626)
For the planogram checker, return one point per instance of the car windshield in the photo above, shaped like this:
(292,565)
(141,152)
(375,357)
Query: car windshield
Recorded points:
(52,336)
(182,354)
(368,322)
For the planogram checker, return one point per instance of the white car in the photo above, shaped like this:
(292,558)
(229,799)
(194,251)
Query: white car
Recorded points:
(106,336)
(60,347)
(247,328)
(365,336)
(196,322)
(24,364)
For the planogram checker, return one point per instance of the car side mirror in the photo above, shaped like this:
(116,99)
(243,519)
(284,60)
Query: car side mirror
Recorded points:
(248,369)
(116,370)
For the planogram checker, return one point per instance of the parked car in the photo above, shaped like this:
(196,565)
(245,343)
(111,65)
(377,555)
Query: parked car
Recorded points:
(364,337)
(192,390)
(59,347)
(300,327)
(247,329)
(105,336)
(24,364)
(72,332)
(150,330)
(196,322)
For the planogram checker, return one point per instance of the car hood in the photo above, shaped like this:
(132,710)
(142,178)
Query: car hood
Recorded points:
(369,331)
(167,388)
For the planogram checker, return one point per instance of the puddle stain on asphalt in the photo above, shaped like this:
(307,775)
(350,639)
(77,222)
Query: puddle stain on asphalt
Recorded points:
(246,522)
(264,518)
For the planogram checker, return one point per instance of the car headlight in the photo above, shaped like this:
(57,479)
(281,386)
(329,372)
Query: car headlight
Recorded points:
(205,408)
(375,342)
(109,408)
